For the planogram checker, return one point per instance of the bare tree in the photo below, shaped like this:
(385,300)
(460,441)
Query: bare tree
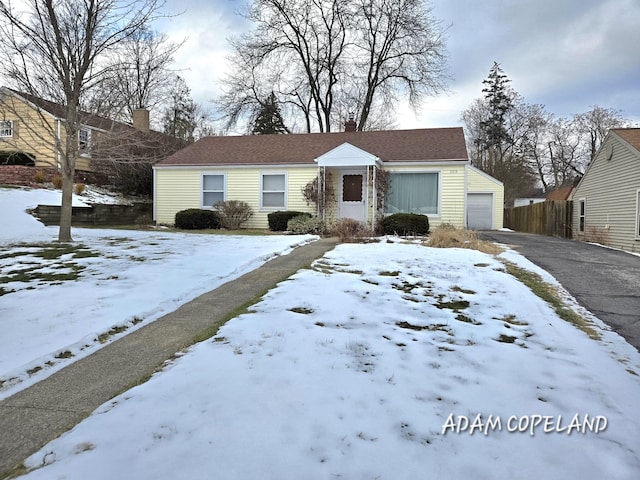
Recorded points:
(52,49)
(327,59)
(595,124)
(138,75)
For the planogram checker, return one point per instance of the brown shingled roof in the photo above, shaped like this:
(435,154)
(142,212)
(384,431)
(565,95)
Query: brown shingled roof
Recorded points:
(421,145)
(630,135)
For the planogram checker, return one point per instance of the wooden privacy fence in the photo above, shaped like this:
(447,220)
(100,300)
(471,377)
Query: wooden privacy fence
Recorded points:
(544,218)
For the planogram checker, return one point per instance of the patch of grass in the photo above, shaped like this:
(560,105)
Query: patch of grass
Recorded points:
(455,305)
(465,319)
(372,282)
(550,295)
(34,370)
(432,328)
(456,288)
(394,273)
(103,337)
(301,310)
(65,354)
(506,338)
(480,264)
(448,236)
(511,319)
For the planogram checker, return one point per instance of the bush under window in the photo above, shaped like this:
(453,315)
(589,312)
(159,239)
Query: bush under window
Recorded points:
(278,220)
(405,224)
(197,219)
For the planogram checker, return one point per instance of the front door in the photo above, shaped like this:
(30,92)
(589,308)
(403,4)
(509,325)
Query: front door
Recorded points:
(352,196)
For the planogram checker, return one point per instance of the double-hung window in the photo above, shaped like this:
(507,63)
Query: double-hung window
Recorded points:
(273,190)
(582,214)
(84,139)
(416,192)
(212,189)
(6,128)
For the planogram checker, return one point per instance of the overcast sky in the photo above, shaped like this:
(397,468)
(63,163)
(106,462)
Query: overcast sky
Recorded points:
(565,54)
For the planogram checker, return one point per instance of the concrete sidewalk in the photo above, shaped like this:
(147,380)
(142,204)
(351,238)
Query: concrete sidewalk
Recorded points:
(31,418)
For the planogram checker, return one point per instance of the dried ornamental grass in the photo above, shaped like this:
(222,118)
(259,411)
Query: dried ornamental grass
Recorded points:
(448,236)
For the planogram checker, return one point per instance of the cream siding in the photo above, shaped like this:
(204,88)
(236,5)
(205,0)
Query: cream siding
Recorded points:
(33,133)
(36,133)
(181,188)
(609,188)
(450,195)
(178,188)
(480,182)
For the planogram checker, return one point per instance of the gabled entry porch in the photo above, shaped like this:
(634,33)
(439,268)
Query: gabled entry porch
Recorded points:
(356,184)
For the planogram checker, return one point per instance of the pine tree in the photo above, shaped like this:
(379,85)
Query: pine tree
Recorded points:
(499,98)
(180,116)
(269,120)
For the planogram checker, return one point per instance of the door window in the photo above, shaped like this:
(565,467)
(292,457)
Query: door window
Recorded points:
(352,188)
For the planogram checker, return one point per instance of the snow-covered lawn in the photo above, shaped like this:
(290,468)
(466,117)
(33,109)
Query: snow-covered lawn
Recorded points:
(58,303)
(363,367)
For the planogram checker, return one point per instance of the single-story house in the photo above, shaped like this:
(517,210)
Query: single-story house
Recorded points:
(606,201)
(428,173)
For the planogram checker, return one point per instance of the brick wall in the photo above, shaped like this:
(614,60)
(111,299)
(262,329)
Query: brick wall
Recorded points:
(21,175)
(96,214)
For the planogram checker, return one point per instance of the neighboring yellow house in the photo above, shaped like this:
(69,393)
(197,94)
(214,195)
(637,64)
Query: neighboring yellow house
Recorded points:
(429,173)
(32,131)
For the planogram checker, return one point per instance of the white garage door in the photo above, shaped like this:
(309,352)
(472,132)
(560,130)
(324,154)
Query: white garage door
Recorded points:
(479,211)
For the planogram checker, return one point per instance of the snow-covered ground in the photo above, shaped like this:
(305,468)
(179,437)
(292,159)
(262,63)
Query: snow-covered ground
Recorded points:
(366,366)
(61,302)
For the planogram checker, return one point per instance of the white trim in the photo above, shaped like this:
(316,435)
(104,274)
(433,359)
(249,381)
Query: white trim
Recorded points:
(637,214)
(10,129)
(454,162)
(581,201)
(438,213)
(346,155)
(363,171)
(255,166)
(286,190)
(493,206)
(155,196)
(224,186)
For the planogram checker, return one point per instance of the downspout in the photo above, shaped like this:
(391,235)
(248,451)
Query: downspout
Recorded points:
(375,201)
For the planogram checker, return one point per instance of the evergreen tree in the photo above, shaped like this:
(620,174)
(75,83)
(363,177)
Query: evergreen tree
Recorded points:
(499,98)
(180,116)
(269,119)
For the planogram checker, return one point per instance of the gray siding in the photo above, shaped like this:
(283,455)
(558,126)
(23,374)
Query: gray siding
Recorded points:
(609,188)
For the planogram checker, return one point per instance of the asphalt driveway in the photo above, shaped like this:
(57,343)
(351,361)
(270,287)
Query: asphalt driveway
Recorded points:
(606,282)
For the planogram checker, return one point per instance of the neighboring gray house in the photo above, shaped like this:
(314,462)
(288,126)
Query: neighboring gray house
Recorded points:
(606,202)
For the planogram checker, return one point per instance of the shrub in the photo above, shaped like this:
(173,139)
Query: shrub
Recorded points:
(303,224)
(405,224)
(233,213)
(39,177)
(197,219)
(350,230)
(57,182)
(79,188)
(144,220)
(278,220)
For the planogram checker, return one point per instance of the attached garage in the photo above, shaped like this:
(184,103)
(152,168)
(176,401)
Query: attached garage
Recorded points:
(479,211)
(484,201)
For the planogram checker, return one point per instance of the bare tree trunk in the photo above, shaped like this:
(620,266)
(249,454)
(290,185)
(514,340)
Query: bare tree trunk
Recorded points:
(64,233)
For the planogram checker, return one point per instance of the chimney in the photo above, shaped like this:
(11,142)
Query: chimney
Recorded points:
(350,125)
(141,119)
